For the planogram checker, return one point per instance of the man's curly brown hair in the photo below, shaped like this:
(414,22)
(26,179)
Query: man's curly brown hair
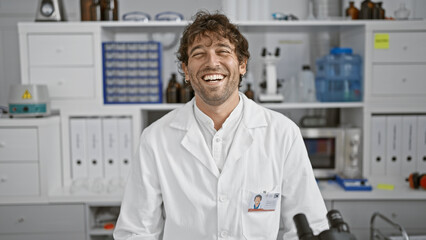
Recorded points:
(205,23)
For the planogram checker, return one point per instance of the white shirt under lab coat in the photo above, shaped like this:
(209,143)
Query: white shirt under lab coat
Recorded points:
(176,192)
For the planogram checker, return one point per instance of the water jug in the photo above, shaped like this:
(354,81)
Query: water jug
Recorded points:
(339,76)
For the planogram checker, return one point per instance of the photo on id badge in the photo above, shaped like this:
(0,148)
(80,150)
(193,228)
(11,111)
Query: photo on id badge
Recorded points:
(262,202)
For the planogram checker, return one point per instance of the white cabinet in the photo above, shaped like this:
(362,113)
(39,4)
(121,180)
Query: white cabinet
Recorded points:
(398,65)
(66,61)
(395,73)
(29,158)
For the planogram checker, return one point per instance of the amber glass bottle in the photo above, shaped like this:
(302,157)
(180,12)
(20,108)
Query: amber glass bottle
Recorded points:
(352,11)
(109,10)
(173,90)
(382,14)
(89,10)
(249,93)
(366,12)
(186,92)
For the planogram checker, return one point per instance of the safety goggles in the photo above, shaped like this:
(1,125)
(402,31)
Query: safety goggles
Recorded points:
(145,17)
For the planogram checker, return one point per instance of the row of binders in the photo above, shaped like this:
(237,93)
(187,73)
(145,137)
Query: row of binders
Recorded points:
(398,145)
(101,147)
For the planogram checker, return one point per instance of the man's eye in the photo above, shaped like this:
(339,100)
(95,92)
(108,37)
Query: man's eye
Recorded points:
(196,54)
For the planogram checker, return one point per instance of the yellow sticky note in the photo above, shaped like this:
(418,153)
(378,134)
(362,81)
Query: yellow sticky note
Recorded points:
(385,186)
(381,41)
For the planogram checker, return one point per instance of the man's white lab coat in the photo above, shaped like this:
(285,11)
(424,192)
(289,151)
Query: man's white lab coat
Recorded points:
(176,191)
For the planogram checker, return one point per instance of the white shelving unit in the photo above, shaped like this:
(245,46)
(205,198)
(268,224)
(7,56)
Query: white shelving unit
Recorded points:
(48,60)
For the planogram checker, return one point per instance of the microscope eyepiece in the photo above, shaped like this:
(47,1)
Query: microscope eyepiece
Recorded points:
(335,220)
(304,232)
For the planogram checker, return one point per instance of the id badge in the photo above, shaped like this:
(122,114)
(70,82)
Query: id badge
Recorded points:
(262,202)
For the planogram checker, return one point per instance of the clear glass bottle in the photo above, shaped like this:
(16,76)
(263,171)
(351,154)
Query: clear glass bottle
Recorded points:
(402,12)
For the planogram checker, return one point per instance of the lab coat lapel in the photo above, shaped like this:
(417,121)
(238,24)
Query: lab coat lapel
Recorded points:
(193,140)
(242,142)
(253,117)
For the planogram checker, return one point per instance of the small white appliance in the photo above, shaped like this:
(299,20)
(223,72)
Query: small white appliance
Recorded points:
(29,101)
(334,151)
(50,10)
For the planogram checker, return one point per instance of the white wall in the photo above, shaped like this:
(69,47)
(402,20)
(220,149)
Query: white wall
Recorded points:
(14,11)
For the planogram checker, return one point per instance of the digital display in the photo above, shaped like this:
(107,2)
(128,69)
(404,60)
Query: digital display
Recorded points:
(322,152)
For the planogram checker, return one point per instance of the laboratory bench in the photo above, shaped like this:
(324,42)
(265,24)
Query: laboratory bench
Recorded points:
(402,205)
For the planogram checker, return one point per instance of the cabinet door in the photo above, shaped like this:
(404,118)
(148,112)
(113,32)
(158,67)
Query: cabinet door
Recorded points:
(63,82)
(18,144)
(19,179)
(403,47)
(41,219)
(60,49)
(44,236)
(399,80)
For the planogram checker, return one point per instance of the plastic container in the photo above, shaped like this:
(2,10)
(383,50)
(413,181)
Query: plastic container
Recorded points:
(339,76)
(306,85)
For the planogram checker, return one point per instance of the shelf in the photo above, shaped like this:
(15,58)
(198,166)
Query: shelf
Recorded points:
(313,105)
(100,232)
(251,26)
(332,191)
(171,106)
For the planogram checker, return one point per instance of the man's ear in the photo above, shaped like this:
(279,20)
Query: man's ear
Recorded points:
(243,67)
(185,70)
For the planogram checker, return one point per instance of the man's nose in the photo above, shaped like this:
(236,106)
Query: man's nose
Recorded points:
(212,59)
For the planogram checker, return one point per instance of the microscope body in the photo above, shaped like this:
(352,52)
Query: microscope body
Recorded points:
(333,234)
(339,230)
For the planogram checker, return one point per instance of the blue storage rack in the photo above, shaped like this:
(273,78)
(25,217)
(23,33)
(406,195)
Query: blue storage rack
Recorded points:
(132,72)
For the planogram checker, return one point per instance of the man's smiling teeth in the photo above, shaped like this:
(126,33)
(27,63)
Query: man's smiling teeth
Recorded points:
(214,77)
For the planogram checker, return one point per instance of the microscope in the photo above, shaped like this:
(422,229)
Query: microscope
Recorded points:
(339,230)
(271,94)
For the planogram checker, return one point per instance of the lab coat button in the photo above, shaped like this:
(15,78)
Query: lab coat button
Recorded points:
(217,139)
(222,198)
(223,234)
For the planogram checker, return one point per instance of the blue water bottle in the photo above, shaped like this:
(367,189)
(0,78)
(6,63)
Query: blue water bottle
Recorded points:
(339,76)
